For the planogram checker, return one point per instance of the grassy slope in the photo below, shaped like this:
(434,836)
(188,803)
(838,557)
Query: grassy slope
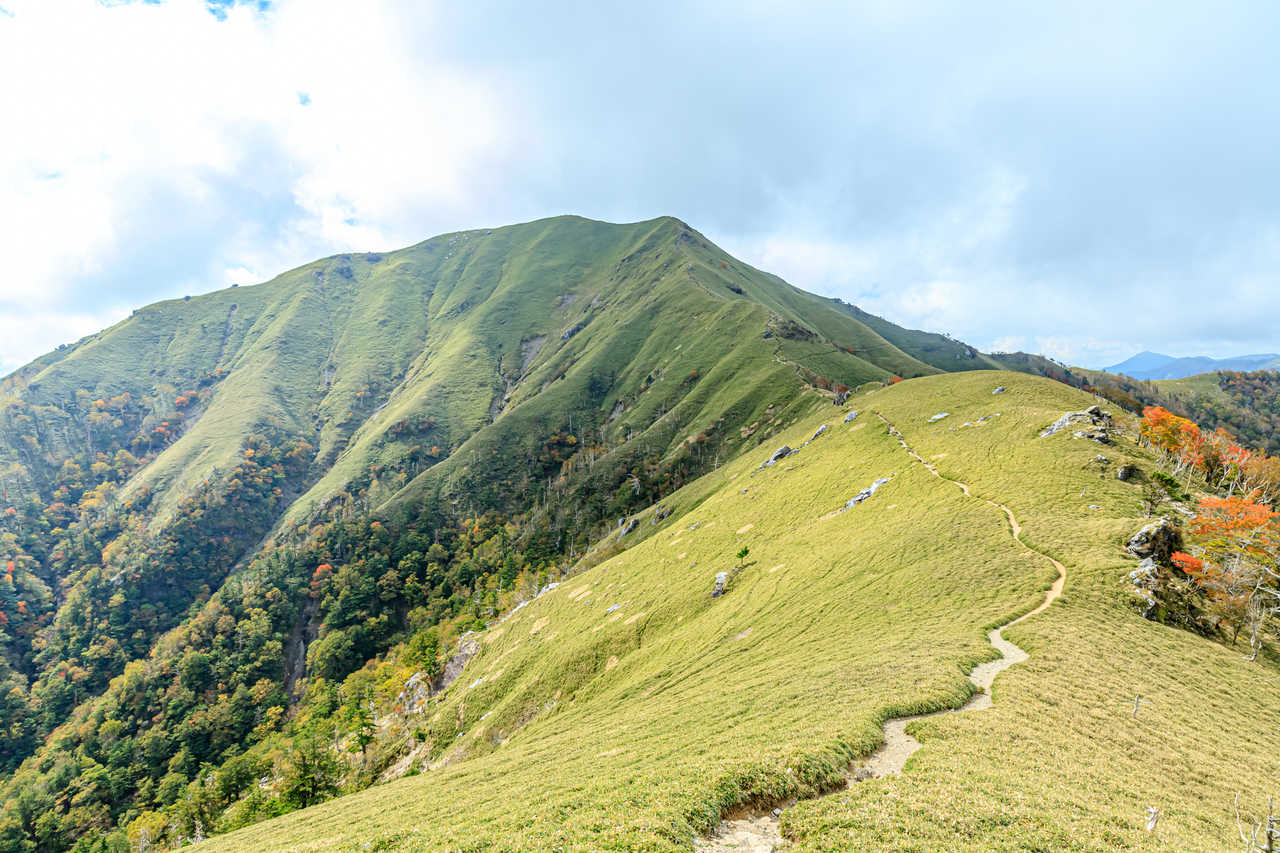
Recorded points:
(836,623)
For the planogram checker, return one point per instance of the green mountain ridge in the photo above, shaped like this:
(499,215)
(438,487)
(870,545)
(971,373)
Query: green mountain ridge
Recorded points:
(239,525)
(557,374)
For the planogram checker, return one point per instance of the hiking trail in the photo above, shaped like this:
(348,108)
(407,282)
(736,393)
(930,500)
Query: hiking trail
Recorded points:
(762,833)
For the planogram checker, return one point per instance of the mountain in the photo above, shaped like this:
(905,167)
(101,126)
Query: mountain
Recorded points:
(223,503)
(1153,365)
(629,709)
(450,519)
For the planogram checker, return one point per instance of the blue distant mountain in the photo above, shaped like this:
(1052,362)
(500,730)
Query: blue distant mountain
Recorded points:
(1154,365)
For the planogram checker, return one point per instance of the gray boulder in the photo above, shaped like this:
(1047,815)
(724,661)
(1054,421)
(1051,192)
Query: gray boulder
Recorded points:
(1157,540)
(1093,418)
(850,416)
(781,453)
(453,668)
(722,580)
(1125,473)
(866,493)
(1146,585)
(631,525)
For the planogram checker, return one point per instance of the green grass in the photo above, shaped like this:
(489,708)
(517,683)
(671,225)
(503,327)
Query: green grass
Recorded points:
(659,356)
(837,622)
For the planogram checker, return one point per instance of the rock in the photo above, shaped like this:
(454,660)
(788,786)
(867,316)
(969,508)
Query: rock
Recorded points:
(1157,541)
(722,579)
(1146,583)
(999,390)
(1125,473)
(781,453)
(659,514)
(850,416)
(820,431)
(938,416)
(866,493)
(1093,416)
(631,525)
(453,668)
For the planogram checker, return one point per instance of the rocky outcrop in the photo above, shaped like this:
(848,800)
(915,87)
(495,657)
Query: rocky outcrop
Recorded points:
(1095,422)
(418,689)
(1125,473)
(722,580)
(866,493)
(626,525)
(1157,541)
(1146,586)
(781,453)
(851,416)
(453,668)
(820,431)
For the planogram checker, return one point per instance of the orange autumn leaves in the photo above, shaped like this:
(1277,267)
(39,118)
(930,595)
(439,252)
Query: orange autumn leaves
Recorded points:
(1225,464)
(1239,563)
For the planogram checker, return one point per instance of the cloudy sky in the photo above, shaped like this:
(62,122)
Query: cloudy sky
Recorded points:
(1085,182)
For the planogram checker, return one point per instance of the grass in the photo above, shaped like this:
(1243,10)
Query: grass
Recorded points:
(342,349)
(577,728)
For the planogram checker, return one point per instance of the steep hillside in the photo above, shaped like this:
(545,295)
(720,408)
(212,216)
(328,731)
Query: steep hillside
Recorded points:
(629,709)
(224,501)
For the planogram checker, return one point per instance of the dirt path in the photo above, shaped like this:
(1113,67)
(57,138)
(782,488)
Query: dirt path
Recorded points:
(762,833)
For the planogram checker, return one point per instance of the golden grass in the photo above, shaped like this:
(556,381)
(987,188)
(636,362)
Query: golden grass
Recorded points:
(637,728)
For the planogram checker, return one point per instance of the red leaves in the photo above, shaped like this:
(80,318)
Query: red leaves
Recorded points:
(1232,515)
(1189,564)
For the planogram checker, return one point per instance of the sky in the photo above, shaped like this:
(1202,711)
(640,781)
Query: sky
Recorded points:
(1083,180)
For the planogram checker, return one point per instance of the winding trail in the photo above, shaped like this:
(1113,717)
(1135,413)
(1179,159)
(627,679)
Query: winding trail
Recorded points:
(761,832)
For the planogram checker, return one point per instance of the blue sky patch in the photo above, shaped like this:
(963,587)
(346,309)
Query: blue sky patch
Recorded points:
(218,8)
(304,99)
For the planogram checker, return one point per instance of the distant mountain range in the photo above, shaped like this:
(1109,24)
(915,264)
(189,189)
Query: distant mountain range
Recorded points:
(1154,365)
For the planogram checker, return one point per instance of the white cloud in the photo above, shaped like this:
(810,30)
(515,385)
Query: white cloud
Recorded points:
(909,158)
(124,116)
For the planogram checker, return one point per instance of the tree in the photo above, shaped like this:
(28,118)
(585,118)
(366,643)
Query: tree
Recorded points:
(423,652)
(312,775)
(366,728)
(742,555)
(1239,564)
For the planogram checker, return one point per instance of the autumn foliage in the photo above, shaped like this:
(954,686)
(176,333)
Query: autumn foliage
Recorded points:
(1224,463)
(1238,567)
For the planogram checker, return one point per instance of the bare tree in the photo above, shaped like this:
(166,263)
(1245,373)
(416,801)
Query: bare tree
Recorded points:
(1258,835)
